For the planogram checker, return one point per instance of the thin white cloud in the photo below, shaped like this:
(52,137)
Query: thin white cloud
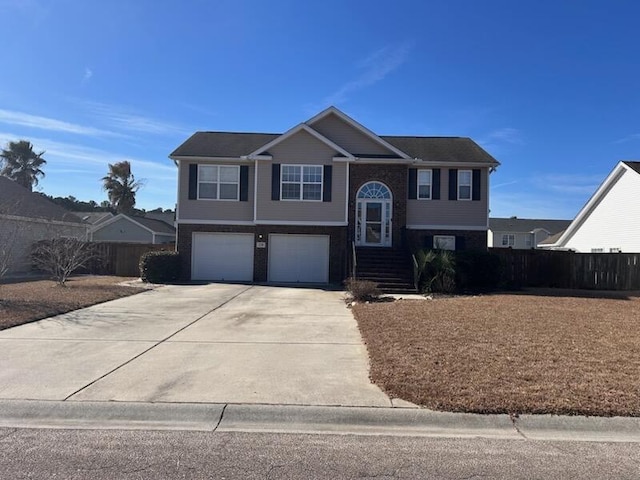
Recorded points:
(504,184)
(374,69)
(88,73)
(10,117)
(629,138)
(568,184)
(533,205)
(507,135)
(124,119)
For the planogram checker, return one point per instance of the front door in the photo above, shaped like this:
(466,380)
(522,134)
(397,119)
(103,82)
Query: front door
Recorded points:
(373,215)
(373,222)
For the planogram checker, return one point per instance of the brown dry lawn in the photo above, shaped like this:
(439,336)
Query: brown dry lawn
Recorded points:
(508,353)
(28,301)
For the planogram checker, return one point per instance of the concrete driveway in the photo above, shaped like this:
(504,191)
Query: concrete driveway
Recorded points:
(215,343)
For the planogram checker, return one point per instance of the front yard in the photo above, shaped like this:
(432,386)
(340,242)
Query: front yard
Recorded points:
(508,353)
(28,301)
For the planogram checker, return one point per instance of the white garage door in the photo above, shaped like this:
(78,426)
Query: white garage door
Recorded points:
(299,258)
(222,256)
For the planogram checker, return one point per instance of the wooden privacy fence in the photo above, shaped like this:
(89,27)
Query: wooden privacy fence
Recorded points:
(560,269)
(121,259)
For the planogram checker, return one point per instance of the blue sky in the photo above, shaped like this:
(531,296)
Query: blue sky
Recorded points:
(550,88)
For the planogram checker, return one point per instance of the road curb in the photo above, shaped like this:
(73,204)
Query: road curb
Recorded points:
(312,420)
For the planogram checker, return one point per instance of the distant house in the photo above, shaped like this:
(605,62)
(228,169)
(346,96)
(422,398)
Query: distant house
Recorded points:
(610,221)
(522,233)
(125,228)
(27,217)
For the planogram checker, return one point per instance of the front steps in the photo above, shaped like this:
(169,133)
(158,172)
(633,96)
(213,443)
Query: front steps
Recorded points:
(390,268)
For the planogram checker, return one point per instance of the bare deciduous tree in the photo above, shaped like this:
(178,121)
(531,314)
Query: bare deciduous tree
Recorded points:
(61,256)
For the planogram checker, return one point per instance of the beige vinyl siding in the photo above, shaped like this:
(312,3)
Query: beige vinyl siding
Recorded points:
(462,213)
(349,138)
(122,230)
(214,210)
(301,148)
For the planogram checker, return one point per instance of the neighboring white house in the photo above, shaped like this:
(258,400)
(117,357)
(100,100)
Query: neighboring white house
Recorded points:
(522,233)
(125,228)
(610,220)
(27,217)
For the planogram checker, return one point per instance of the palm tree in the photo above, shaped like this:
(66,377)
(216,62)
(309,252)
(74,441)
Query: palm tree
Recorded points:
(22,164)
(121,187)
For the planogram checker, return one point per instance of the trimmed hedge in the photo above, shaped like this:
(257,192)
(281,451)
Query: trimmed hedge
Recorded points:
(160,266)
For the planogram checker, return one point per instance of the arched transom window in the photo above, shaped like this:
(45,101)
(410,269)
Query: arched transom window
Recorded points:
(374,190)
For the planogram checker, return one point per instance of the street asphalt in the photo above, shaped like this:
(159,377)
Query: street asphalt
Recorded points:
(231,358)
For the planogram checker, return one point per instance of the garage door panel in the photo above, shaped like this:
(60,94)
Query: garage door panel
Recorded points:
(299,258)
(222,256)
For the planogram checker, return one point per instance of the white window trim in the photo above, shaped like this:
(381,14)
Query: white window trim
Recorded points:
(430,184)
(443,239)
(237,199)
(509,237)
(460,172)
(302,182)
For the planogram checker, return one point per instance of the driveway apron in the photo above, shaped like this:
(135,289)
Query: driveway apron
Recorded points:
(216,343)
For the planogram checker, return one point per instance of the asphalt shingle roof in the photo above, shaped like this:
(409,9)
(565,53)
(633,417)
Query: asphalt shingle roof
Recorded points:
(439,149)
(19,201)
(157,226)
(526,225)
(633,165)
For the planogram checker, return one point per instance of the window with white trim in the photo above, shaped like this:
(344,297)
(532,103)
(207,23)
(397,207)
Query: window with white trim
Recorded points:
(597,250)
(444,242)
(615,250)
(301,182)
(424,184)
(218,182)
(508,240)
(464,184)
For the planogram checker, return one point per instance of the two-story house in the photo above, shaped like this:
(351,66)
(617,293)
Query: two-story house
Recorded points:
(294,207)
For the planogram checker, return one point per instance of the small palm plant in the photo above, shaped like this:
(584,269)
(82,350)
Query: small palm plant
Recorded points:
(436,271)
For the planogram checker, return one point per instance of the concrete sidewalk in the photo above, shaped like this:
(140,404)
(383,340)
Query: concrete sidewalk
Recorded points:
(311,419)
(217,343)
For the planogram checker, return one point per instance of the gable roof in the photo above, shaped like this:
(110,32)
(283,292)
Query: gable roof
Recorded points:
(527,225)
(551,239)
(300,128)
(595,199)
(20,202)
(150,224)
(428,149)
(361,128)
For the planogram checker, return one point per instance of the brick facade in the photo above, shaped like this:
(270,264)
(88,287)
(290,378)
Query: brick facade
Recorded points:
(337,245)
(394,177)
(473,239)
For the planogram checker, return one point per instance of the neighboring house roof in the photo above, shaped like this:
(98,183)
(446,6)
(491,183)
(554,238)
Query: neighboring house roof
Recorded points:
(150,224)
(156,226)
(167,217)
(429,149)
(595,200)
(550,240)
(527,225)
(20,202)
(93,218)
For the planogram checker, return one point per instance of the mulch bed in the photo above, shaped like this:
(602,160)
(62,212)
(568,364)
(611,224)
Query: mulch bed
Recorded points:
(508,353)
(28,301)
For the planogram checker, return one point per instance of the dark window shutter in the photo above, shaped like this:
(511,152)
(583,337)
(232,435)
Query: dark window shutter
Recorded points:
(453,184)
(275,181)
(475,184)
(435,187)
(244,183)
(193,181)
(326,183)
(428,242)
(413,183)
(460,242)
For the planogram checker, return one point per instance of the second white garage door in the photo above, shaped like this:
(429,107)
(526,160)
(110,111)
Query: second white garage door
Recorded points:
(222,256)
(299,258)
